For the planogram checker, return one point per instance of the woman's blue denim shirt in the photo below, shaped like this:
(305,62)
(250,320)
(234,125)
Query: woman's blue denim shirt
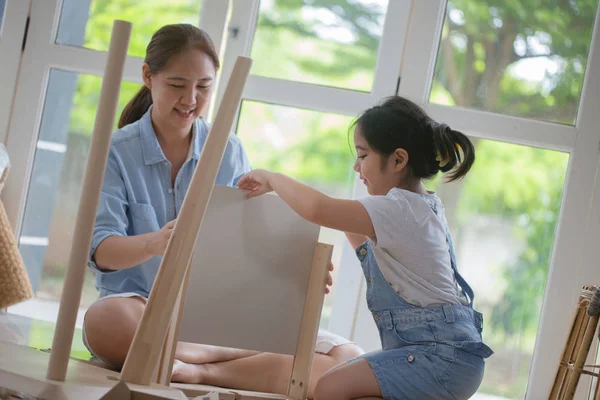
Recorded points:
(138,197)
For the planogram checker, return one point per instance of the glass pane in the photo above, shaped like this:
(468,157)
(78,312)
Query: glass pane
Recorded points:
(55,189)
(307,145)
(2,7)
(503,217)
(523,58)
(312,41)
(88,23)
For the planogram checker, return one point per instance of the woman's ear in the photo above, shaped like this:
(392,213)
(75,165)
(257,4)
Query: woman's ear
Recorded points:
(147,75)
(399,159)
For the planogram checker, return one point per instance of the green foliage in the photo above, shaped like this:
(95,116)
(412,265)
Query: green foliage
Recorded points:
(483,42)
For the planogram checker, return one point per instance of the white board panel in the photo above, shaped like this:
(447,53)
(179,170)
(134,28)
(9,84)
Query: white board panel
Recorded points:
(249,274)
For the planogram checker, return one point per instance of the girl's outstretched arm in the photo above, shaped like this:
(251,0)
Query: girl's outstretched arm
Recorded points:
(316,207)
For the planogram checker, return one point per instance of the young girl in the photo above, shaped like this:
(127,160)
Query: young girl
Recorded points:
(430,334)
(150,165)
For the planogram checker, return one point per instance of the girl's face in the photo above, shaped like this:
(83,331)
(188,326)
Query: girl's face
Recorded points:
(378,173)
(181,90)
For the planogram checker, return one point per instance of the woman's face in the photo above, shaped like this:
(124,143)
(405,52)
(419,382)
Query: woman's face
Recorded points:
(181,90)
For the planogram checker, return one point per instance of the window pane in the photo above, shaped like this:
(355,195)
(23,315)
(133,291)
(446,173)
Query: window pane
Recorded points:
(523,58)
(88,23)
(56,181)
(503,217)
(307,145)
(312,41)
(2,7)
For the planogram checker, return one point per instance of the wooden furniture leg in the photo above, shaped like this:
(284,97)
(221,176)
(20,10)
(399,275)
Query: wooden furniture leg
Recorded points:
(310,321)
(90,194)
(168,353)
(146,347)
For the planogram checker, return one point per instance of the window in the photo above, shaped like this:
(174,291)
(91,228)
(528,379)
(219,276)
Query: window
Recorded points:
(89,23)
(2,6)
(524,58)
(312,42)
(58,170)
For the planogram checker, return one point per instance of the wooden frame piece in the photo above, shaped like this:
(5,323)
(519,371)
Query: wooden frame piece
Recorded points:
(150,335)
(576,350)
(165,367)
(90,194)
(311,316)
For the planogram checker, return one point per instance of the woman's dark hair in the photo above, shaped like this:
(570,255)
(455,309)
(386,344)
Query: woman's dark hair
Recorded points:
(167,42)
(431,147)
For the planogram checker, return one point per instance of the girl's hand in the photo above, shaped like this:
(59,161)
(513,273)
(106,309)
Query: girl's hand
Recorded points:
(157,241)
(329,281)
(257,182)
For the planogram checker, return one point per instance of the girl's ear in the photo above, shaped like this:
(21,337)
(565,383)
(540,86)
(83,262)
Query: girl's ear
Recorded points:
(399,159)
(147,75)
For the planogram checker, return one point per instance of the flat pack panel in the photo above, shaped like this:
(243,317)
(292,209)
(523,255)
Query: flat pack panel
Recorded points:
(250,273)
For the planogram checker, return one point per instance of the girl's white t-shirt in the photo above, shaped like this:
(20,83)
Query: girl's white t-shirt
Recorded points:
(410,248)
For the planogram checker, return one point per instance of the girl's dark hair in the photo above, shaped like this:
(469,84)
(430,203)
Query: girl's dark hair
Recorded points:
(431,147)
(167,42)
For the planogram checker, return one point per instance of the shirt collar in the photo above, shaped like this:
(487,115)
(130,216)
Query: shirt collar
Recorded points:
(151,149)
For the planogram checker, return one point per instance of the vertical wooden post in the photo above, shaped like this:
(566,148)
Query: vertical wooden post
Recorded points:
(88,203)
(311,317)
(150,335)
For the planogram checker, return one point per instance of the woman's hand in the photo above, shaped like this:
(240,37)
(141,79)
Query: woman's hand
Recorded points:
(156,244)
(256,182)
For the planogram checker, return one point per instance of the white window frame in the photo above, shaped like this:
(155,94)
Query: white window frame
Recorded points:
(11,35)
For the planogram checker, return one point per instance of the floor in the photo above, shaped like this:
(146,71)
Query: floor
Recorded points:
(36,333)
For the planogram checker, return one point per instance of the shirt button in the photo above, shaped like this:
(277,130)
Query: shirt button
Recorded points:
(376,317)
(363,251)
(411,358)
(368,280)
(170,190)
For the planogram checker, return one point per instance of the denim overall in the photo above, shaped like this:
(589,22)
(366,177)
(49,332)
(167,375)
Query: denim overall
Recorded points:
(433,352)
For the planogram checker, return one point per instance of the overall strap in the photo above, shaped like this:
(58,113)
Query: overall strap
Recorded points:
(459,279)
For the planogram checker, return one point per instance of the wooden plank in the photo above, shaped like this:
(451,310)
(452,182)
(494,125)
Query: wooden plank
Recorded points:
(168,353)
(311,317)
(90,194)
(145,350)
(260,251)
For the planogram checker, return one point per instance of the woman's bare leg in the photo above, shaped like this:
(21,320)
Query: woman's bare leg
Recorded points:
(193,353)
(110,326)
(263,372)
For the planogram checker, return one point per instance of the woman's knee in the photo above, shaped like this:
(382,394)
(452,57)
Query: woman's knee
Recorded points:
(110,325)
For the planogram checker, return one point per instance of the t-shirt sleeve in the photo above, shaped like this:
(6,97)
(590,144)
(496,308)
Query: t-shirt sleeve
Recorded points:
(388,215)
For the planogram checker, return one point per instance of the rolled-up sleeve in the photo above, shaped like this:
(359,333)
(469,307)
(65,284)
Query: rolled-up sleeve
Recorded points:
(111,216)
